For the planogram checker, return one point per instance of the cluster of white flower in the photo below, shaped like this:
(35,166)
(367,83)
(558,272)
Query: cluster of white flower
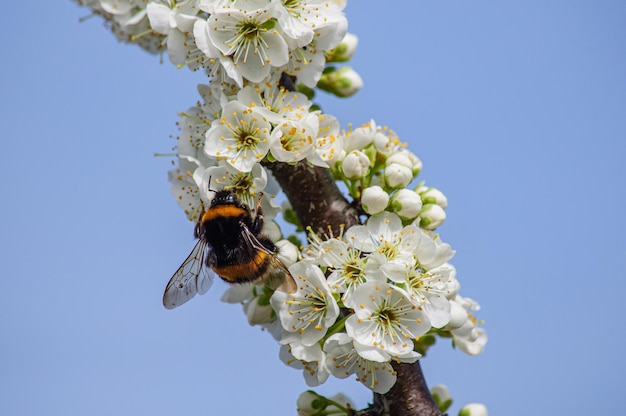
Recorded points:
(242,40)
(365,297)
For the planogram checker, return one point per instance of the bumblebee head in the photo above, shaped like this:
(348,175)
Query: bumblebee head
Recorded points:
(225,197)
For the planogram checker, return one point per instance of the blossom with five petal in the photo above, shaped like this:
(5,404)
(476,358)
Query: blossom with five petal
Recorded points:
(241,136)
(249,37)
(306,314)
(385,321)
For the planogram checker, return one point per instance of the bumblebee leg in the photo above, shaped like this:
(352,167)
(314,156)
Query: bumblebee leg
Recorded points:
(211,259)
(257,225)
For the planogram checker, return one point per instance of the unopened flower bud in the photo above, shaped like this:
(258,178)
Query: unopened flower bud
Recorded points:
(417,163)
(344,51)
(257,313)
(442,397)
(343,82)
(406,203)
(432,196)
(398,176)
(432,216)
(374,200)
(343,400)
(400,158)
(355,165)
(310,403)
(474,409)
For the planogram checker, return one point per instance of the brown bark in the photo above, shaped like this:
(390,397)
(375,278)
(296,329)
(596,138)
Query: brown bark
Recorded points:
(318,202)
(315,197)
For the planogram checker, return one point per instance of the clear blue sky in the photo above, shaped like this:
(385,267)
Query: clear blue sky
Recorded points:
(518,111)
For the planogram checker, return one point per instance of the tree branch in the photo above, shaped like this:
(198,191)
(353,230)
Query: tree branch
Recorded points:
(314,196)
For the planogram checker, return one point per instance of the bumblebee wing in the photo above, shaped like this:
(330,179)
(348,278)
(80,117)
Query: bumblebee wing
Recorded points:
(277,275)
(192,277)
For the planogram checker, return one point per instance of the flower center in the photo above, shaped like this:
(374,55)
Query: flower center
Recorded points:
(247,140)
(388,250)
(353,273)
(249,31)
(386,316)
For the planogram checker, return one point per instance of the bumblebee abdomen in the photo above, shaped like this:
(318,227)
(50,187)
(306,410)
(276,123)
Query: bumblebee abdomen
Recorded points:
(238,270)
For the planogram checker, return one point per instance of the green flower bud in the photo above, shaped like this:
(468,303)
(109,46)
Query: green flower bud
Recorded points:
(406,203)
(257,313)
(397,176)
(374,200)
(432,216)
(343,82)
(310,403)
(442,397)
(432,196)
(355,165)
(344,51)
(474,409)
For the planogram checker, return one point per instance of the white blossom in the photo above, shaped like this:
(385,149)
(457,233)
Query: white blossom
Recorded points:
(309,359)
(347,266)
(385,321)
(306,314)
(276,103)
(249,37)
(328,144)
(293,140)
(247,186)
(385,237)
(176,21)
(241,136)
(362,136)
(427,289)
(467,335)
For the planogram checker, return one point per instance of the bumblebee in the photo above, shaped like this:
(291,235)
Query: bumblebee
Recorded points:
(231,244)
